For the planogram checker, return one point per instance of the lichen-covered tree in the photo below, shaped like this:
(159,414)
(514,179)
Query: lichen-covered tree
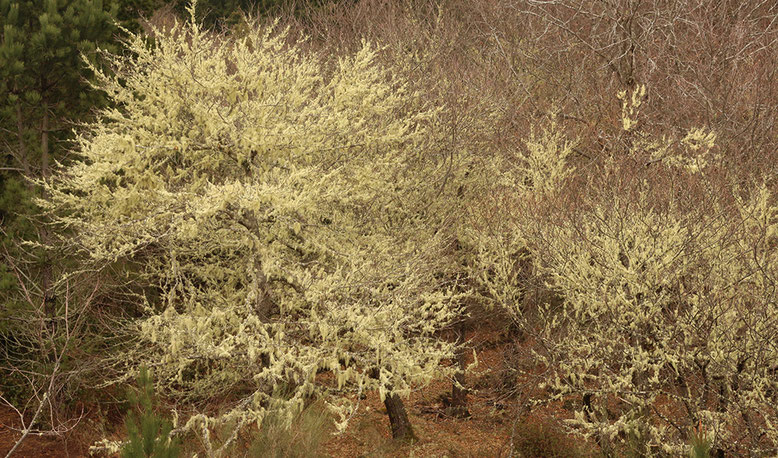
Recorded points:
(276,205)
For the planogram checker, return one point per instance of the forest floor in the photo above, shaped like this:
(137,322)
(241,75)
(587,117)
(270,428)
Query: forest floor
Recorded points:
(69,444)
(487,432)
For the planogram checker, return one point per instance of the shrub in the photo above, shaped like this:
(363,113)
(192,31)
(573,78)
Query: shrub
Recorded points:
(533,438)
(666,268)
(304,439)
(700,444)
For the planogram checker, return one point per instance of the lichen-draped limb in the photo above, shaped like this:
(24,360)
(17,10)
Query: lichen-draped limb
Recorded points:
(279,204)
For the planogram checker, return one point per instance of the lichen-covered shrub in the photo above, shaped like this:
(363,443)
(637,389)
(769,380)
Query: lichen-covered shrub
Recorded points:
(666,270)
(276,204)
(498,263)
(657,268)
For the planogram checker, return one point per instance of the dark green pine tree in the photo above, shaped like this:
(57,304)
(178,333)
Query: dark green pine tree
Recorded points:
(43,81)
(44,90)
(148,434)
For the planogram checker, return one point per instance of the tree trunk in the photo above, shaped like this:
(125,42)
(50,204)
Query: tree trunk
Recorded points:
(21,156)
(458,390)
(49,299)
(45,142)
(398,419)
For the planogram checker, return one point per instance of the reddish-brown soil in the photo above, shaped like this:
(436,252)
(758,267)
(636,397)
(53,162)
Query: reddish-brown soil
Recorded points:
(487,432)
(71,444)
